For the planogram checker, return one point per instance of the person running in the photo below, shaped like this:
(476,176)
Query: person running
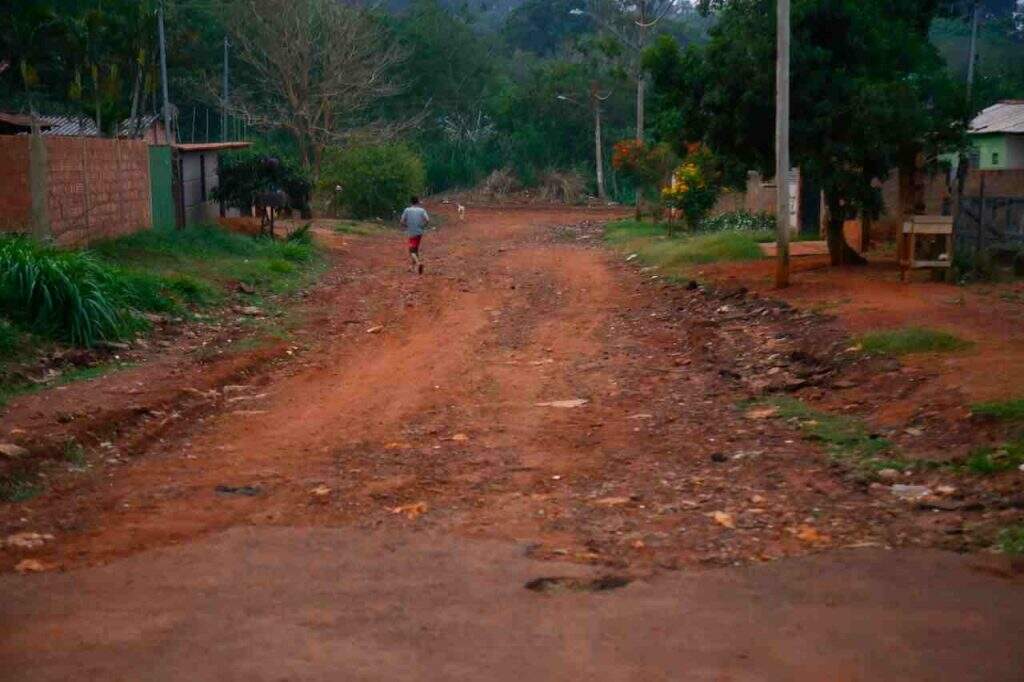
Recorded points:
(415,220)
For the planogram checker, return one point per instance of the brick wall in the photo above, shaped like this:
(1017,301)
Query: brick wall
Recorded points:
(96,188)
(15,197)
(1004,183)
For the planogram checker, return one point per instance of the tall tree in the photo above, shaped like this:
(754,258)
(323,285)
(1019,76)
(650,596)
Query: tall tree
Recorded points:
(869,93)
(315,68)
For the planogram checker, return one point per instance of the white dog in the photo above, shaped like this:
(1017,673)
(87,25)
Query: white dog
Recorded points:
(462,211)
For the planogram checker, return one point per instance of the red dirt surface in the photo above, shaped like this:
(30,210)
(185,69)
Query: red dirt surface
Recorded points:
(873,298)
(405,403)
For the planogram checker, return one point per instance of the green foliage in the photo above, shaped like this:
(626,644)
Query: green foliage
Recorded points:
(694,188)
(676,255)
(997,460)
(9,338)
(68,295)
(18,487)
(195,264)
(1011,540)
(740,221)
(374,180)
(1004,410)
(846,438)
(868,93)
(911,340)
(243,174)
(543,27)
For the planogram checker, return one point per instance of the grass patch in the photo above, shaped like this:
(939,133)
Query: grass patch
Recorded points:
(1011,540)
(988,461)
(1004,410)
(911,340)
(74,453)
(652,243)
(18,488)
(9,391)
(196,264)
(847,439)
(67,295)
(360,228)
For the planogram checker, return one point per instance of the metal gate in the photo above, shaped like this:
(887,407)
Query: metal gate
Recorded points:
(161,178)
(990,223)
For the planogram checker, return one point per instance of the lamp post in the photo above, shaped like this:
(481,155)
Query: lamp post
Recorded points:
(596,98)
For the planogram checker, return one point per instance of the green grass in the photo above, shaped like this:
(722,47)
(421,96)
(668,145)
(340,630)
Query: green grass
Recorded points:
(74,453)
(196,264)
(1004,410)
(67,295)
(361,228)
(911,340)
(10,340)
(988,461)
(13,390)
(1011,540)
(676,254)
(18,488)
(847,439)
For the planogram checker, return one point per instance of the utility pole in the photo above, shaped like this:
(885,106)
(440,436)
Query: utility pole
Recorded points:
(597,99)
(973,54)
(224,102)
(782,147)
(163,74)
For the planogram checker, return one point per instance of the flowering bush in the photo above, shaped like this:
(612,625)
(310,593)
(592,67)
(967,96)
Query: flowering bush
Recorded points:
(693,191)
(644,165)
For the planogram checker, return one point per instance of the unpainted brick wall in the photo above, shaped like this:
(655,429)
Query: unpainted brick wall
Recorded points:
(96,188)
(15,197)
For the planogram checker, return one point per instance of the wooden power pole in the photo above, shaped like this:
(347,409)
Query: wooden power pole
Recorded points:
(782,147)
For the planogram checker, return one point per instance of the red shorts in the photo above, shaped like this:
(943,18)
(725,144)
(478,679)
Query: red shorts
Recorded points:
(414,242)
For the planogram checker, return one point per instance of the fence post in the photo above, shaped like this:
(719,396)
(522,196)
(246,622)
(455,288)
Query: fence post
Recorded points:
(38,169)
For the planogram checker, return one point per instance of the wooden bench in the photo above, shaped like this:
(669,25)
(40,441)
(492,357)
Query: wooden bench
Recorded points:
(929,227)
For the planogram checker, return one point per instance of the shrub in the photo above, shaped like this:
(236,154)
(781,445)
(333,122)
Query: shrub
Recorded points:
(65,294)
(645,166)
(567,187)
(739,221)
(500,183)
(370,181)
(243,174)
(694,188)
(8,339)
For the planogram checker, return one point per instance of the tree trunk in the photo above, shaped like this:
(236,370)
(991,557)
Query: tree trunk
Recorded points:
(839,251)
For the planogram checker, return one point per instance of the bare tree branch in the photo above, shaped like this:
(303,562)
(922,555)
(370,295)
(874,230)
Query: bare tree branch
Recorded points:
(313,67)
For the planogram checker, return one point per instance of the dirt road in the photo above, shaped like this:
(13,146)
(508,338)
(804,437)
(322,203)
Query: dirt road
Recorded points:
(419,448)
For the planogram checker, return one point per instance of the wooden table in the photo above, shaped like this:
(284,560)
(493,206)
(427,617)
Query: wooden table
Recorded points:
(929,226)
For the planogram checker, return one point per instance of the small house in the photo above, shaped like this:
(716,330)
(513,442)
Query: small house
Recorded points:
(998,136)
(197,171)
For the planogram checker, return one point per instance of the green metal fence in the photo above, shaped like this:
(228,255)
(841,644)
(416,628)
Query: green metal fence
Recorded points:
(161,187)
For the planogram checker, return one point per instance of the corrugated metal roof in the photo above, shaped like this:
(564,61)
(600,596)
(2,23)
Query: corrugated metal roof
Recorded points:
(126,128)
(1005,117)
(70,126)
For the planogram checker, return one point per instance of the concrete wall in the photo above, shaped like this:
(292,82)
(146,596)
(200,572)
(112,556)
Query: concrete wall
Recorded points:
(199,178)
(92,188)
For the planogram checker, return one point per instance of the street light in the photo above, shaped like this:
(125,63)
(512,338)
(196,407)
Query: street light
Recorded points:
(595,98)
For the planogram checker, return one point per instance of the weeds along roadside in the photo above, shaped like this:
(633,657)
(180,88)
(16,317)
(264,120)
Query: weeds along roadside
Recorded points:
(53,298)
